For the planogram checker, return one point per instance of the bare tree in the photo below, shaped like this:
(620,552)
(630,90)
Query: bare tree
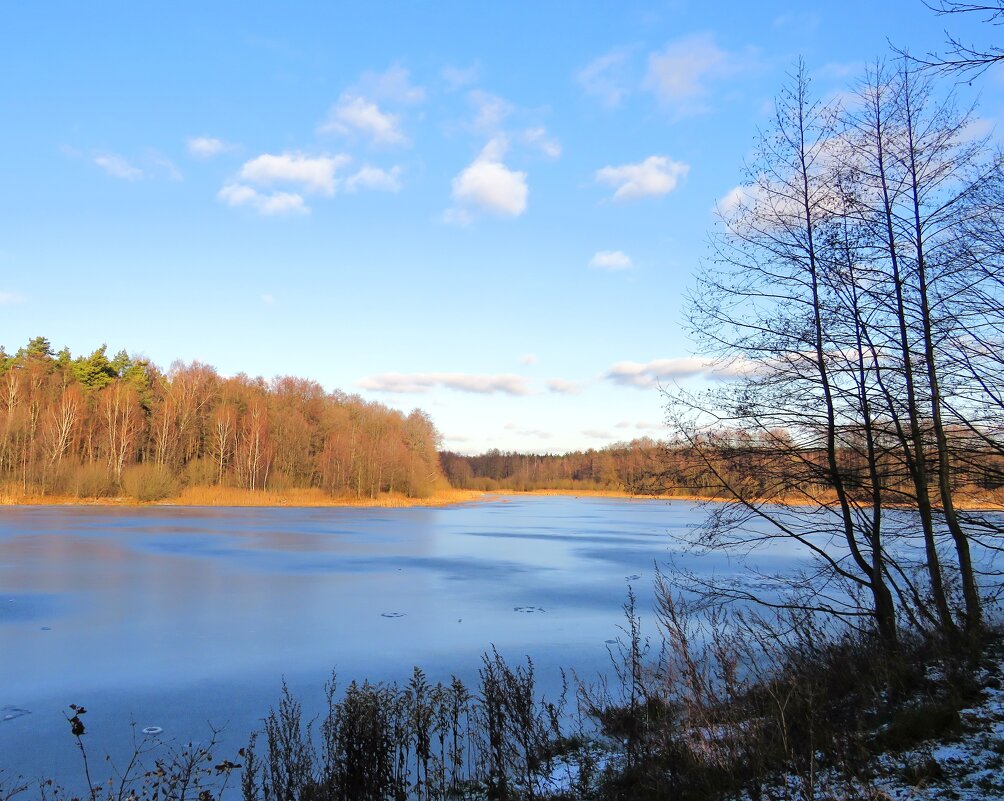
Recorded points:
(836,303)
(967,59)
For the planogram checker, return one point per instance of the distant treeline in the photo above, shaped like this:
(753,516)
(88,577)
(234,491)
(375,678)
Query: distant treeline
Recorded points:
(93,426)
(740,459)
(638,467)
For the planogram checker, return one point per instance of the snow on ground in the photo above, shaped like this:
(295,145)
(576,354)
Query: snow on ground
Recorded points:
(970,768)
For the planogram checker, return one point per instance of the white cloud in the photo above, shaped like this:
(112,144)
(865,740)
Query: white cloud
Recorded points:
(538,138)
(528,358)
(357,115)
(976,129)
(463,382)
(459,77)
(118,166)
(611,260)
(680,74)
(268,300)
(650,374)
(393,85)
(656,175)
(206,147)
(737,196)
(267,204)
(312,173)
(563,387)
(597,434)
(488,185)
(604,78)
(10,298)
(374,178)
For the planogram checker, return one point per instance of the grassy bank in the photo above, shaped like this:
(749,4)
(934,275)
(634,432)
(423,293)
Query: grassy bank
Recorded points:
(983,502)
(232,496)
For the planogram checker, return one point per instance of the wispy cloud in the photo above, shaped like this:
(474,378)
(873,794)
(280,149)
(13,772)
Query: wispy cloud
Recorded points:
(656,175)
(521,431)
(459,77)
(393,85)
(611,260)
(488,185)
(268,204)
(490,110)
(160,165)
(505,384)
(528,358)
(804,22)
(539,139)
(118,166)
(645,375)
(361,112)
(374,178)
(735,198)
(595,433)
(641,425)
(682,73)
(207,147)
(354,115)
(604,78)
(563,387)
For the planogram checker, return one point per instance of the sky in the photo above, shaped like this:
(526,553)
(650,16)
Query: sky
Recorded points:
(492,212)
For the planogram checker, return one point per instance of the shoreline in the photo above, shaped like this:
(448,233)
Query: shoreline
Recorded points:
(312,498)
(214,497)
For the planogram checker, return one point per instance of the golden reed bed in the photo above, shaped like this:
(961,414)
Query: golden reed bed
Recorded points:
(233,496)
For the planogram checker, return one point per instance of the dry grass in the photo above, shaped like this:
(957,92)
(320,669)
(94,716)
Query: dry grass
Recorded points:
(14,495)
(988,501)
(232,496)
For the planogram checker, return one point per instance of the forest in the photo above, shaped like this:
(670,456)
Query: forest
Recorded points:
(98,426)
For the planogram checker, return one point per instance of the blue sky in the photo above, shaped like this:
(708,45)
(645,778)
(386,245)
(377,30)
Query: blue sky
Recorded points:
(489,211)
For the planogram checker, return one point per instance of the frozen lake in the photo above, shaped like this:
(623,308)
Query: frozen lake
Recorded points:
(173,617)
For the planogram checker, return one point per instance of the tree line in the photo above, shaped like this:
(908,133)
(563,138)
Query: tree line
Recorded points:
(92,426)
(634,467)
